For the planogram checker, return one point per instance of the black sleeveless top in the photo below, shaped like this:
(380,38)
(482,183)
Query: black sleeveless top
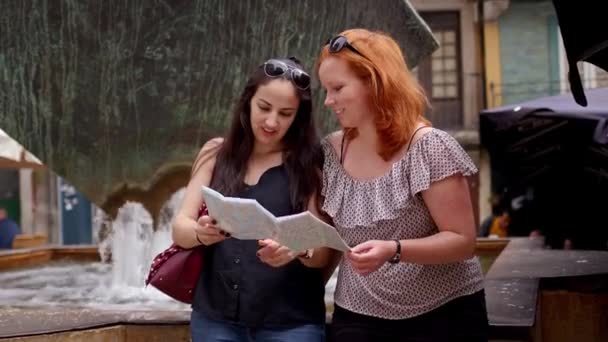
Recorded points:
(236,286)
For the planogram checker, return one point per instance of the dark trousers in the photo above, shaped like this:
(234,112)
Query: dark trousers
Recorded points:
(462,319)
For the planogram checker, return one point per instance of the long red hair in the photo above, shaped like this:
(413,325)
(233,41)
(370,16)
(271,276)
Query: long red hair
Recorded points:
(396,95)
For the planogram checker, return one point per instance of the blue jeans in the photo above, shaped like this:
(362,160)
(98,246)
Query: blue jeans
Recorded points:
(204,329)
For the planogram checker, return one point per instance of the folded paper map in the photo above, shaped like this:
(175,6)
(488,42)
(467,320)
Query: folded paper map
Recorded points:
(246,219)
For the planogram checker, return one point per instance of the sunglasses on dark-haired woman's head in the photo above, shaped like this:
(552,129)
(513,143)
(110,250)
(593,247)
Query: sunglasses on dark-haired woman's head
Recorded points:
(337,43)
(276,68)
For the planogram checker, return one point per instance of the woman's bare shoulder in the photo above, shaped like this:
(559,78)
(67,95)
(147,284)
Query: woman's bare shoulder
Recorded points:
(205,159)
(211,145)
(335,139)
(420,131)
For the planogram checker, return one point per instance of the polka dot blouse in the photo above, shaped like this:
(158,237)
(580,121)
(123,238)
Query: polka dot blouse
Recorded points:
(390,207)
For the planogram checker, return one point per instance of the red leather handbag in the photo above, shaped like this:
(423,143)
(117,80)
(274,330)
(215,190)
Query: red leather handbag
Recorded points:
(176,270)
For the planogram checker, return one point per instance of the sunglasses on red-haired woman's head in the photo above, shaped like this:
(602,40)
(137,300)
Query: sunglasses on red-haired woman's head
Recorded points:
(337,43)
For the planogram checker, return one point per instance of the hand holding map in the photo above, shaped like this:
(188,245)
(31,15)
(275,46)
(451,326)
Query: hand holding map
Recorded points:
(246,219)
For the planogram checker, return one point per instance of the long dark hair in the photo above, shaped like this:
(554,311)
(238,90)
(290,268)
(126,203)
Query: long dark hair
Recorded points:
(303,157)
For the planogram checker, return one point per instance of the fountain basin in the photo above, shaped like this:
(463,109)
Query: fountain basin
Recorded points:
(54,293)
(81,324)
(75,307)
(28,257)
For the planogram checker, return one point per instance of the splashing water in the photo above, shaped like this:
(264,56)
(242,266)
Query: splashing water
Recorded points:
(118,282)
(130,245)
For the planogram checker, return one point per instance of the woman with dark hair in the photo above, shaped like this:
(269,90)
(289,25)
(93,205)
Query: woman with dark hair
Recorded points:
(259,290)
(396,190)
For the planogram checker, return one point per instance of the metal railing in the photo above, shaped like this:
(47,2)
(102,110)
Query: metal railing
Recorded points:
(513,92)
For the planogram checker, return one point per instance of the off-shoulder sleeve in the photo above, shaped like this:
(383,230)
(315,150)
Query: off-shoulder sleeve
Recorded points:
(437,155)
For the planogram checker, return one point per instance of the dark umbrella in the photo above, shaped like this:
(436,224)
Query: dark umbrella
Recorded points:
(530,139)
(585,36)
(549,156)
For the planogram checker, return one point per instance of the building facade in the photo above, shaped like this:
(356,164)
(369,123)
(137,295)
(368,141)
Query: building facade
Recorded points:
(452,78)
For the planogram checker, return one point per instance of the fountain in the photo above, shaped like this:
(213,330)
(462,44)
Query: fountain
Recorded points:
(117,99)
(117,284)
(111,288)
(121,108)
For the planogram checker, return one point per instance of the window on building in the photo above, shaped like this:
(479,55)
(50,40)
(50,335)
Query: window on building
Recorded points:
(601,77)
(444,67)
(440,74)
(591,76)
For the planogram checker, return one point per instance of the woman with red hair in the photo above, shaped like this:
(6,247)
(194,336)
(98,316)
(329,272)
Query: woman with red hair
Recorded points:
(396,190)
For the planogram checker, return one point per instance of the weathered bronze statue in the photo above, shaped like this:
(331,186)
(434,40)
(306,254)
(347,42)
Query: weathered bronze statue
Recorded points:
(117,97)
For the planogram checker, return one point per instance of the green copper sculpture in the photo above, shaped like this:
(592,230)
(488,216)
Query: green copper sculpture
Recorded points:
(118,96)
